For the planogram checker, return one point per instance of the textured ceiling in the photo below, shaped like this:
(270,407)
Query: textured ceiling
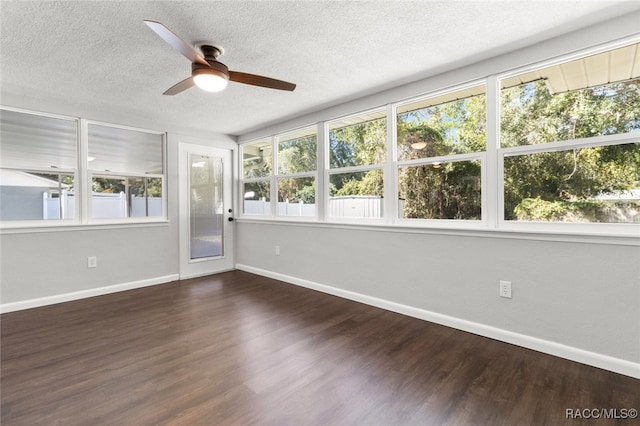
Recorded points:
(100,54)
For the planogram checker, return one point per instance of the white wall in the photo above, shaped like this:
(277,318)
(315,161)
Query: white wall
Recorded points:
(572,297)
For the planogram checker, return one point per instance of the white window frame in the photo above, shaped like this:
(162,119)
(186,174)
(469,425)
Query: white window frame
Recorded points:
(90,174)
(279,176)
(492,170)
(82,184)
(604,229)
(480,156)
(275,176)
(328,171)
(270,178)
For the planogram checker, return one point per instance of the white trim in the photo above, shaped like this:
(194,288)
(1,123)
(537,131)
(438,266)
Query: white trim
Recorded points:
(24,227)
(83,294)
(594,141)
(463,228)
(606,362)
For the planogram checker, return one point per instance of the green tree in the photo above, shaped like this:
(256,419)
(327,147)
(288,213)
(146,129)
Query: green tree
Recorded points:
(531,115)
(442,191)
(357,145)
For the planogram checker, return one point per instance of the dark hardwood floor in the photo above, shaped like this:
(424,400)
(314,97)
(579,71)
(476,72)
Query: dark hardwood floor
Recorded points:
(240,349)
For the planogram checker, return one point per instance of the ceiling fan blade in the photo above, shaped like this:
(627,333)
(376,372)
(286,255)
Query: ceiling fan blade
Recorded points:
(176,42)
(258,80)
(185,84)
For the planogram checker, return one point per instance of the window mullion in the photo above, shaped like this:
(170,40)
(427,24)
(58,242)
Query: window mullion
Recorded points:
(83,181)
(321,152)
(273,185)
(492,195)
(390,213)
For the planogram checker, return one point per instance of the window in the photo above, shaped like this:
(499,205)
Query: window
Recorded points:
(296,177)
(38,166)
(126,172)
(357,154)
(42,180)
(534,148)
(571,141)
(291,174)
(439,144)
(257,162)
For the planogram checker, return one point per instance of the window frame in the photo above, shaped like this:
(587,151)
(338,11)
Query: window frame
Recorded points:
(605,229)
(382,166)
(478,155)
(90,174)
(492,168)
(82,183)
(275,176)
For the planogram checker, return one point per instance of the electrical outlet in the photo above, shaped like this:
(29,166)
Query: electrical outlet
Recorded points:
(505,289)
(277,250)
(92,262)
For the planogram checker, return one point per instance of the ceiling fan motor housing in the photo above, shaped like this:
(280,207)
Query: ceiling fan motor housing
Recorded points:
(214,67)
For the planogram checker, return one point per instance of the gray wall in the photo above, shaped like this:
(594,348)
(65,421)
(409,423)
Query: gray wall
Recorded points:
(582,295)
(53,262)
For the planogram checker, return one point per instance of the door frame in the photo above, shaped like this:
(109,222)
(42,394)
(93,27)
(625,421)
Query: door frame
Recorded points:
(207,266)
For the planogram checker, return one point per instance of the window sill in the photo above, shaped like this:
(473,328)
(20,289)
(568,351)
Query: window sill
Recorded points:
(596,236)
(22,228)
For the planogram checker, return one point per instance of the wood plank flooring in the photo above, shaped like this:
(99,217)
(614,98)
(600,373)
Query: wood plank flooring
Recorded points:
(240,349)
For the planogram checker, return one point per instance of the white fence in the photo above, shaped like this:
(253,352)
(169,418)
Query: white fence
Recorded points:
(355,206)
(103,205)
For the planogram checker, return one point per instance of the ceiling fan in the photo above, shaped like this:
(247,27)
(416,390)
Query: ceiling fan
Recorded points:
(206,71)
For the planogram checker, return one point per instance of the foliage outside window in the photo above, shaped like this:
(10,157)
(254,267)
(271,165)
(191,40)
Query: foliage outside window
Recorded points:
(296,179)
(126,168)
(357,153)
(257,163)
(566,139)
(38,167)
(431,135)
(290,174)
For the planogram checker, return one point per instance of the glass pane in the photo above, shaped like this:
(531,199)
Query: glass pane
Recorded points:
(360,143)
(30,141)
(36,196)
(356,194)
(257,159)
(256,199)
(297,197)
(440,191)
(109,197)
(453,123)
(596,95)
(297,152)
(206,207)
(119,197)
(598,184)
(124,151)
(145,197)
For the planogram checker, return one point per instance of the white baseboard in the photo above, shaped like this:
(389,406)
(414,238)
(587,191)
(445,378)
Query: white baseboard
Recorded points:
(82,294)
(605,362)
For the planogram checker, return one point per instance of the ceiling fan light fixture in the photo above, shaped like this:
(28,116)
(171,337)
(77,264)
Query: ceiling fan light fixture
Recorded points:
(210,80)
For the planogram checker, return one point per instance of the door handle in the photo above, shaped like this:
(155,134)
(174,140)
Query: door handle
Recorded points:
(230,219)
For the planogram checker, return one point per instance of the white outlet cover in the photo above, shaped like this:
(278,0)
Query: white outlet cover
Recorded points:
(505,289)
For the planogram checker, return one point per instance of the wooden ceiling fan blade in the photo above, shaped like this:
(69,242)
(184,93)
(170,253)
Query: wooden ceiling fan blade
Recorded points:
(176,42)
(185,84)
(258,80)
